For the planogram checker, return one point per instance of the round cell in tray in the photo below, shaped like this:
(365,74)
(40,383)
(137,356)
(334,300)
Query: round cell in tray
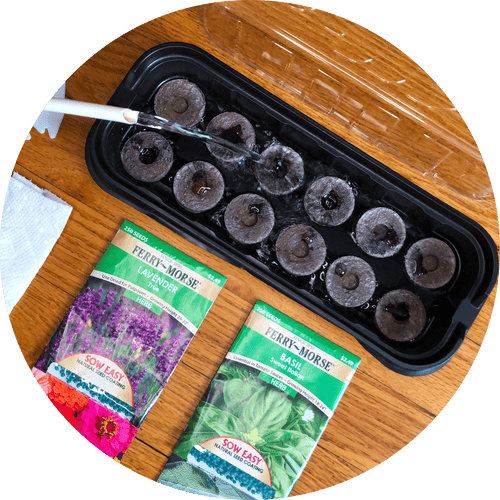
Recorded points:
(430,263)
(300,250)
(198,186)
(329,201)
(380,232)
(147,156)
(180,101)
(234,128)
(280,170)
(249,218)
(350,281)
(400,315)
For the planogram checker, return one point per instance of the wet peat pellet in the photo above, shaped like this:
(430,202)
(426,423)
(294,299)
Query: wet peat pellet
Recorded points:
(400,315)
(329,201)
(198,186)
(234,128)
(280,170)
(147,156)
(300,250)
(430,263)
(350,281)
(249,218)
(180,101)
(380,232)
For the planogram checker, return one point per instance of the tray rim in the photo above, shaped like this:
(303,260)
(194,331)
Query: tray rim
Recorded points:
(486,282)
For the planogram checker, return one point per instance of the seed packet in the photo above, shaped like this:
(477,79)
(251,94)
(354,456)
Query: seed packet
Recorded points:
(112,354)
(263,413)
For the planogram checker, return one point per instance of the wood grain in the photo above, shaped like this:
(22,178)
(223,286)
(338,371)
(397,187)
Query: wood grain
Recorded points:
(381,411)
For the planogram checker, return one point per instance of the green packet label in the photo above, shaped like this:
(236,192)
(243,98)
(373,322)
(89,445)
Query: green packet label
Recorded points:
(158,276)
(264,411)
(292,354)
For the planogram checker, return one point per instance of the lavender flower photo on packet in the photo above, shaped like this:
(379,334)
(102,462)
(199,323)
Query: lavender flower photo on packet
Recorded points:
(115,349)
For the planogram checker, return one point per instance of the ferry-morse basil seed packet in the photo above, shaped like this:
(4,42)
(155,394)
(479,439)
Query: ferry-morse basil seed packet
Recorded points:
(114,351)
(264,412)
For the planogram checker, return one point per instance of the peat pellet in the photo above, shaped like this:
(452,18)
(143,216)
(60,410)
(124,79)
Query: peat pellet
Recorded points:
(300,250)
(380,232)
(329,201)
(180,101)
(350,281)
(147,156)
(400,315)
(234,128)
(430,263)
(198,186)
(280,170)
(249,218)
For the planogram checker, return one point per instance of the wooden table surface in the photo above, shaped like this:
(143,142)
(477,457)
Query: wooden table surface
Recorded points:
(380,412)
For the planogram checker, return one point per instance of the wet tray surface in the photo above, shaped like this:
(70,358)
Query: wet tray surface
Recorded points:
(448,310)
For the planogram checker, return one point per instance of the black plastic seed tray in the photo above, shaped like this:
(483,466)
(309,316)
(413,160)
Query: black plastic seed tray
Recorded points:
(450,310)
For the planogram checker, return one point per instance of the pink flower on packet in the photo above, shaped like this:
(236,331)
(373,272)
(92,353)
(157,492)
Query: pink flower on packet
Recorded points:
(105,429)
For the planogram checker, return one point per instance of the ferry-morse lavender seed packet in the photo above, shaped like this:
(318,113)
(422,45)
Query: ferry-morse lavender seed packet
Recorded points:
(112,354)
(263,413)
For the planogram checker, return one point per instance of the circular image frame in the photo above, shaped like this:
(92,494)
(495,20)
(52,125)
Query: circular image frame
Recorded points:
(156,226)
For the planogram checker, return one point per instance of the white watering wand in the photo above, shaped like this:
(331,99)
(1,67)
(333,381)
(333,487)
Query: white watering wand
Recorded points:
(131,117)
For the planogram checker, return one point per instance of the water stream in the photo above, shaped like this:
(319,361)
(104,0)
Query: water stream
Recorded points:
(158,122)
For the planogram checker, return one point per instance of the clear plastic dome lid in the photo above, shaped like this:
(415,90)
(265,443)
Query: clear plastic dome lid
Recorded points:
(370,89)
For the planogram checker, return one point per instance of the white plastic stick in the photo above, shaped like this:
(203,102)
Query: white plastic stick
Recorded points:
(89,110)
